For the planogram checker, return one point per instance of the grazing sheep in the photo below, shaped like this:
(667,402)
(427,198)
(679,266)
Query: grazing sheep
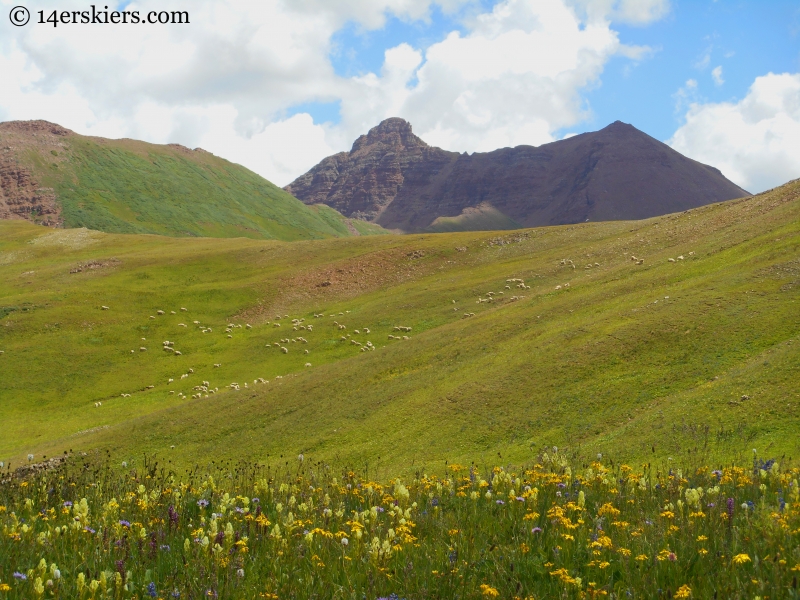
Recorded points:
(670,260)
(196,322)
(230,336)
(357,332)
(191,370)
(306,351)
(104,307)
(680,257)
(170,380)
(183,309)
(142,349)
(366,330)
(159,312)
(249,326)
(284,350)
(217,365)
(308,364)
(172,312)
(276,324)
(181,325)
(405,337)
(152,317)
(177,353)
(558,287)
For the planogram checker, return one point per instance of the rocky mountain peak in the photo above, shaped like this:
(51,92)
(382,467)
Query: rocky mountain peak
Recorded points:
(393,178)
(393,132)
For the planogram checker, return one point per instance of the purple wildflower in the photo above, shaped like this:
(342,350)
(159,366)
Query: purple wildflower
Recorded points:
(520,499)
(500,502)
(730,510)
(255,501)
(717,472)
(89,529)
(125,523)
(202,503)
(67,504)
(536,530)
(239,510)
(173,516)
(20,576)
(165,548)
(562,485)
(151,590)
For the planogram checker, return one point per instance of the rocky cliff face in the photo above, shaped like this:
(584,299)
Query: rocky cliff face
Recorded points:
(392,177)
(365,180)
(21,196)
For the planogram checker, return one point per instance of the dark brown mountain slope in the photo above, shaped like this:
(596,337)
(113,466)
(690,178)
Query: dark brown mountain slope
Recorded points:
(395,179)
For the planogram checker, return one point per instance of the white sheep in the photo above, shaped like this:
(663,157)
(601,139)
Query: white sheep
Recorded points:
(183,309)
(217,365)
(159,312)
(284,350)
(308,364)
(142,349)
(177,353)
(104,307)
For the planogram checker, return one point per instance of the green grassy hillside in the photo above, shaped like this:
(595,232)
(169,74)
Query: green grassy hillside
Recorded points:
(127,186)
(596,354)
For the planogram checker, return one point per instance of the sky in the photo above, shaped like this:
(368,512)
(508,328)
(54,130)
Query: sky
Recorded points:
(277,85)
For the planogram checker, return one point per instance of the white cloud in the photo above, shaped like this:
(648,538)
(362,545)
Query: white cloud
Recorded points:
(493,86)
(716,75)
(227,81)
(755,142)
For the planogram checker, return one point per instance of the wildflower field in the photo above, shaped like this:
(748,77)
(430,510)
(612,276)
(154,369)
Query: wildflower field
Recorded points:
(304,530)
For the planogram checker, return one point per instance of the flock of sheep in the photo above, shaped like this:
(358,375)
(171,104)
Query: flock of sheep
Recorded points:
(284,344)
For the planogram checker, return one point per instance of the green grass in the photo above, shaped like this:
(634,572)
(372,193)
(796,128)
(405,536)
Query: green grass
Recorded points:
(608,364)
(126,186)
(296,529)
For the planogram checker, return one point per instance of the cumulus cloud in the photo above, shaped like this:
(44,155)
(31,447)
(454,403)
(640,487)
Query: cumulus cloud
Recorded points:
(515,78)
(754,142)
(228,81)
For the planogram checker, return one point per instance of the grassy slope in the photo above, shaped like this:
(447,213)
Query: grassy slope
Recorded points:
(608,364)
(126,186)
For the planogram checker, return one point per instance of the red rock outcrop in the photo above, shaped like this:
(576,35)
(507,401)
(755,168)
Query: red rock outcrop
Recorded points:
(21,196)
(392,177)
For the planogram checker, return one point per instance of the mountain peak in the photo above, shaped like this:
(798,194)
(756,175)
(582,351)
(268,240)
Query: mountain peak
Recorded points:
(393,131)
(393,178)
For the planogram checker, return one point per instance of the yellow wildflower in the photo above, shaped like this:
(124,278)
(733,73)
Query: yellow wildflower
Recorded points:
(740,559)
(684,592)
(489,591)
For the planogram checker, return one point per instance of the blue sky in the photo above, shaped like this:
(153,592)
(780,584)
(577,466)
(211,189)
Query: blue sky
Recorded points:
(745,38)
